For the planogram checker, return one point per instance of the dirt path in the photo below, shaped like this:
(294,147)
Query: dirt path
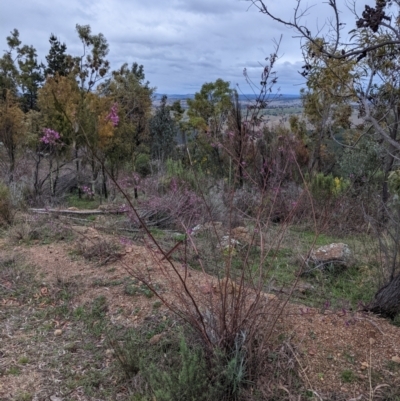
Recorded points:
(338,352)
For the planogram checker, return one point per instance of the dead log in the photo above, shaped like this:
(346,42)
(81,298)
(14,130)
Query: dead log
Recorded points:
(76,212)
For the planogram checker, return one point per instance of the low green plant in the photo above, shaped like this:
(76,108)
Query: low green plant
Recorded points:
(82,203)
(187,381)
(134,289)
(180,237)
(23,360)
(157,304)
(24,396)
(347,376)
(14,371)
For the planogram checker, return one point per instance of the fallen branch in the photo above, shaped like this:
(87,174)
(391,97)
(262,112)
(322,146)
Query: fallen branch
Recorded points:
(76,212)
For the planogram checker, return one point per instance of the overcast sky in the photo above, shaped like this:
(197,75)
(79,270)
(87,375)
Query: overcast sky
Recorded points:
(181,43)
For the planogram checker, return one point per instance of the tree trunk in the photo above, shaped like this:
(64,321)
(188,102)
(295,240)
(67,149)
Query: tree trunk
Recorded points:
(387,299)
(104,178)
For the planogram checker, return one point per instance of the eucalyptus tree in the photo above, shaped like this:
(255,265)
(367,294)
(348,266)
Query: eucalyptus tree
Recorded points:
(162,132)
(133,94)
(208,113)
(20,71)
(362,61)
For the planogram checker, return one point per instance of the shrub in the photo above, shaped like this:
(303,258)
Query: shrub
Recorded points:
(176,170)
(102,251)
(327,186)
(142,164)
(176,367)
(6,209)
(186,381)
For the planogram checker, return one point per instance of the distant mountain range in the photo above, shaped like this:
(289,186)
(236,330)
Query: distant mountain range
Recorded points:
(275,98)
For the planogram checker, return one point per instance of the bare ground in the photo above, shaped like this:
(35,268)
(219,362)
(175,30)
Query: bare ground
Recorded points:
(47,354)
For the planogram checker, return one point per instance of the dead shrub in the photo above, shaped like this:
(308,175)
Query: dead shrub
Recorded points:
(101,251)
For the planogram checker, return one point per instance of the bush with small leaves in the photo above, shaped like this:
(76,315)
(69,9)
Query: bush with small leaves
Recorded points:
(6,209)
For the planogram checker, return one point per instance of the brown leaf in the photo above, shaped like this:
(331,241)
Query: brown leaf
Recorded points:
(156,339)
(44,291)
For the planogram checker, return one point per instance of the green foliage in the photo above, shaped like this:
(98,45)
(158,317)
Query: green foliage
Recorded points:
(162,132)
(142,164)
(327,186)
(394,183)
(176,169)
(326,102)
(134,289)
(348,376)
(208,113)
(133,95)
(174,367)
(30,77)
(21,72)
(57,59)
(6,209)
(187,381)
(82,203)
(23,360)
(24,396)
(209,108)
(92,66)
(189,377)
(14,371)
(361,163)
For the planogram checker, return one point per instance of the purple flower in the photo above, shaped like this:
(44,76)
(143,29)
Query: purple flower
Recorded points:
(86,190)
(113,115)
(50,137)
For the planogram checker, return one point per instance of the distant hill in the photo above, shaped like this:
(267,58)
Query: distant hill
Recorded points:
(275,98)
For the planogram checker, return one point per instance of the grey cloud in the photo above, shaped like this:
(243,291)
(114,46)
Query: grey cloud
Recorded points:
(181,43)
(210,6)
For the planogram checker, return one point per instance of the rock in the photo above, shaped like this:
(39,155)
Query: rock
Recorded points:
(226,286)
(109,207)
(109,352)
(58,332)
(205,289)
(227,243)
(396,359)
(270,297)
(211,226)
(242,234)
(337,253)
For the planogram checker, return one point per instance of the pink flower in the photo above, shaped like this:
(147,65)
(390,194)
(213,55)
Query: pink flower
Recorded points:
(113,115)
(50,137)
